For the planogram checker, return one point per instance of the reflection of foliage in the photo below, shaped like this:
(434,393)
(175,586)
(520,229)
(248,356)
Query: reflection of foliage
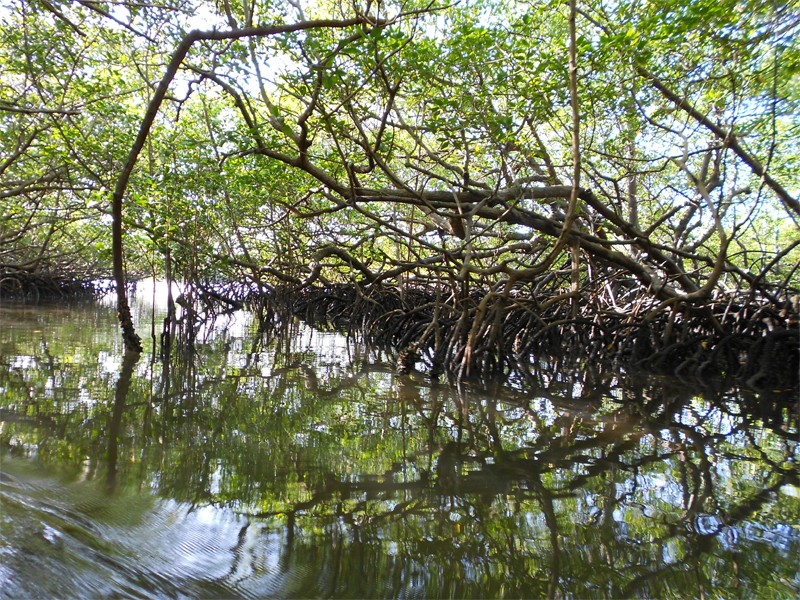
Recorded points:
(592,484)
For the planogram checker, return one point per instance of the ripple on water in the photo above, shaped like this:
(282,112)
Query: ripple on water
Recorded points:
(71,540)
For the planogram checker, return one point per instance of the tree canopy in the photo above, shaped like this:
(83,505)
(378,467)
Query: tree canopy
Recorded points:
(571,162)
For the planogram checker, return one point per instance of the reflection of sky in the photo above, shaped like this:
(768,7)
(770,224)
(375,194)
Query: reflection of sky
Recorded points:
(329,422)
(23,362)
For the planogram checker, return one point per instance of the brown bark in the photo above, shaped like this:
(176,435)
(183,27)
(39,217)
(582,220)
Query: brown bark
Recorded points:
(131,339)
(726,137)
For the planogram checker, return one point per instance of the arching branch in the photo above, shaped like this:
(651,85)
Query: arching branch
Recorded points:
(132,340)
(727,137)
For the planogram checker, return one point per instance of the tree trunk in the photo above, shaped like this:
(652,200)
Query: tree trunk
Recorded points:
(132,341)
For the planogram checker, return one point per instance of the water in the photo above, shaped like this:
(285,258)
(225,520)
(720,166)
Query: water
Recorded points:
(304,467)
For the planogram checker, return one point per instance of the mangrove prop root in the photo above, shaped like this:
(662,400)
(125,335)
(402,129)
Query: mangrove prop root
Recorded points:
(718,341)
(25,286)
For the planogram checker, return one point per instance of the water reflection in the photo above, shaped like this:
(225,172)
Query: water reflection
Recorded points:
(301,465)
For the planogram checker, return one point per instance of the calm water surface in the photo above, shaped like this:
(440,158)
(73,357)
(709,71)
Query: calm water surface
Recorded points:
(304,467)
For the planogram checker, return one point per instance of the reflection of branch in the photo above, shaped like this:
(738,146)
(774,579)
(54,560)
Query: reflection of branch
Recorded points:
(38,421)
(699,543)
(345,489)
(120,402)
(546,497)
(752,504)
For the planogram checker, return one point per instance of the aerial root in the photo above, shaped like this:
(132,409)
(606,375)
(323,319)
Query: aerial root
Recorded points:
(511,336)
(26,286)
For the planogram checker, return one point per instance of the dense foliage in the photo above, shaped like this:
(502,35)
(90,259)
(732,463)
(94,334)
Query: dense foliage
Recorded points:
(600,159)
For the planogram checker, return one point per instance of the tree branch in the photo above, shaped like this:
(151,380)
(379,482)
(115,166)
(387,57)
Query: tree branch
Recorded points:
(132,340)
(727,137)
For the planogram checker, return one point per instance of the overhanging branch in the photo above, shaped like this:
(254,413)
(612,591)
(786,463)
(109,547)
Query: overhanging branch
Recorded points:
(132,340)
(726,137)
